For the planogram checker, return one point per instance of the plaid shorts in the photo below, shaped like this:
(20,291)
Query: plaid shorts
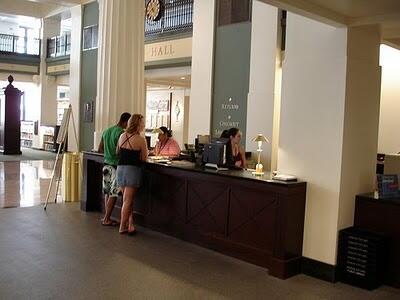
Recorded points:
(110,187)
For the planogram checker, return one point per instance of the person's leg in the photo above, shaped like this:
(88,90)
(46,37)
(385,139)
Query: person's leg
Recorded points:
(126,209)
(109,206)
(131,225)
(110,182)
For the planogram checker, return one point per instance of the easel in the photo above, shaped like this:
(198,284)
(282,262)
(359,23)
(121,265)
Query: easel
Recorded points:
(61,139)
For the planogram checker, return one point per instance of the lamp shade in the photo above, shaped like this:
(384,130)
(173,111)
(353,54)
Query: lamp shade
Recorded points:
(260,138)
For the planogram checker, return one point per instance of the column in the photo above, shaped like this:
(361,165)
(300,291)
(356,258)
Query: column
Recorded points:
(361,118)
(75,75)
(120,78)
(202,68)
(311,126)
(329,124)
(260,103)
(48,85)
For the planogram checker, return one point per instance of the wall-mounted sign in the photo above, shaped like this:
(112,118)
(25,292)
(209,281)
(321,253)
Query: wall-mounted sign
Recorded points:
(88,111)
(227,114)
(172,49)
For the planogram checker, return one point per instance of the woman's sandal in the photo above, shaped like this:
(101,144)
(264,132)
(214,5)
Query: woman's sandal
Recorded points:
(112,223)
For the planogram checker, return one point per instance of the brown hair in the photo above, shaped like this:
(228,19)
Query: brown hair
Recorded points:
(133,123)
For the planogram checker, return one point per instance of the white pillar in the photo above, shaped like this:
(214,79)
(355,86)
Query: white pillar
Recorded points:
(311,127)
(202,68)
(48,85)
(361,119)
(75,74)
(260,103)
(120,78)
(329,123)
(389,121)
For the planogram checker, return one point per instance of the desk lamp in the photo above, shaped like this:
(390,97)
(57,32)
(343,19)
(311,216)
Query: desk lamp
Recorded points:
(259,139)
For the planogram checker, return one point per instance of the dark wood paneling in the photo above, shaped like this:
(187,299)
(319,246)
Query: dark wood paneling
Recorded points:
(254,220)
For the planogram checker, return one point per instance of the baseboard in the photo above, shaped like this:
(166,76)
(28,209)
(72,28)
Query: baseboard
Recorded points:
(318,269)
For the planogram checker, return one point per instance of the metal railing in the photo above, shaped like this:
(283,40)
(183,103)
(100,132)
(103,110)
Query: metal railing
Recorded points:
(59,45)
(177,18)
(19,44)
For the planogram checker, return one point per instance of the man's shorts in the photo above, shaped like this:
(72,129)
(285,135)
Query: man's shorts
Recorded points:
(110,187)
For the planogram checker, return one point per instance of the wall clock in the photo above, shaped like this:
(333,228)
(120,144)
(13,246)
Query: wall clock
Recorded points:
(155,10)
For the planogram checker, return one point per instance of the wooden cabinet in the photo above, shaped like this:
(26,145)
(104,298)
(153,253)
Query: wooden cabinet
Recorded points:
(10,116)
(383,216)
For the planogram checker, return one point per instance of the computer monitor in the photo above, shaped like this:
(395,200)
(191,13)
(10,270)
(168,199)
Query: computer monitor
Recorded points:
(215,152)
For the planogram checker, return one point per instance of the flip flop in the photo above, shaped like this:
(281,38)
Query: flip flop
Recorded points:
(112,223)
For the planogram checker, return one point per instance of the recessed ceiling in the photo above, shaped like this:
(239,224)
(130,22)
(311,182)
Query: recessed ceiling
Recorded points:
(182,81)
(360,8)
(386,13)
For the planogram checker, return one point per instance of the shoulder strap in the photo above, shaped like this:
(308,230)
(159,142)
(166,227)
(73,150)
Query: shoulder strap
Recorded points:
(127,140)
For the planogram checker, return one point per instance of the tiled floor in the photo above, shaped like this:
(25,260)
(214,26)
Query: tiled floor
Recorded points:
(24,183)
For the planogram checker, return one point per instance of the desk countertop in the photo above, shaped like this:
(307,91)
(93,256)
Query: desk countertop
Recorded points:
(189,166)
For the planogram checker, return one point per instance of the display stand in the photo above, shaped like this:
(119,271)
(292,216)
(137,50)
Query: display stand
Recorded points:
(61,141)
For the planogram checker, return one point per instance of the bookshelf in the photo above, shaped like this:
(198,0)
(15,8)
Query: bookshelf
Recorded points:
(27,131)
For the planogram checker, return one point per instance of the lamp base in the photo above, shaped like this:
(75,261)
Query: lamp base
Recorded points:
(258,173)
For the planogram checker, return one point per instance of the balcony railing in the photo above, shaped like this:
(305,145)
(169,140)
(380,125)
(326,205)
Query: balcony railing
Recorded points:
(20,45)
(59,46)
(178,18)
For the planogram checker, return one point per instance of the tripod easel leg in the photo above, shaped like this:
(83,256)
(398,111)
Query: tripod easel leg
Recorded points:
(52,178)
(61,141)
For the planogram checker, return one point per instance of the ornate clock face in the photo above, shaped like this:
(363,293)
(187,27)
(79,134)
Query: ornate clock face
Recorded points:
(154,10)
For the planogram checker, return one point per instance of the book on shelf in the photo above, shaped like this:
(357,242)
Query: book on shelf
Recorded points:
(388,186)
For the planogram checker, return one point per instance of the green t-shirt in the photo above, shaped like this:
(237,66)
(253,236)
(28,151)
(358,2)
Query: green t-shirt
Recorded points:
(110,141)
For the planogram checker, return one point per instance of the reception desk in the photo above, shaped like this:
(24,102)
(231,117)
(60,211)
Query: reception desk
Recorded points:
(232,212)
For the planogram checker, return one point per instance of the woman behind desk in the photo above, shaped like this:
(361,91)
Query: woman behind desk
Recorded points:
(166,145)
(235,155)
(132,150)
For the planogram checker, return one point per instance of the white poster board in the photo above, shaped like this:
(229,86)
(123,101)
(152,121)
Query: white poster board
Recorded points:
(64,125)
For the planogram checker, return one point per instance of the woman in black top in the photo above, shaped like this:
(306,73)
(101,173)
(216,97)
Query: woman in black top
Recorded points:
(132,150)
(235,156)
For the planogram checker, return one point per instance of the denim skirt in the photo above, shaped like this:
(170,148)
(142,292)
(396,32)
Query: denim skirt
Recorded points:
(129,176)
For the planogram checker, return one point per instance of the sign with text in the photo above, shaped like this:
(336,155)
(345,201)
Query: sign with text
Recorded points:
(231,78)
(229,116)
(172,49)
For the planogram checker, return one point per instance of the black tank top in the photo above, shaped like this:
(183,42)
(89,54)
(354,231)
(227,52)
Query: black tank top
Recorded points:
(129,157)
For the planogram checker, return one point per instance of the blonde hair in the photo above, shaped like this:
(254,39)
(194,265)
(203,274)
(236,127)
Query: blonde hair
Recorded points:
(134,123)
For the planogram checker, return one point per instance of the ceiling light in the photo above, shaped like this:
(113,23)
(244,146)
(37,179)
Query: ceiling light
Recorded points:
(182,78)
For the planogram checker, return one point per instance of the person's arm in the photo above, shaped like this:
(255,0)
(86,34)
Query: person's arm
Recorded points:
(144,150)
(117,150)
(100,149)
(243,154)
(174,150)
(156,150)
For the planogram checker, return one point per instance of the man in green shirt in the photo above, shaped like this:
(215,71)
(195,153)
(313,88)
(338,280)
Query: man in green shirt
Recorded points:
(108,146)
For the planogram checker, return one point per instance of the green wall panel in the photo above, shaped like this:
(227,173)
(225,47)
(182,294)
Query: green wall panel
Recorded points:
(231,77)
(90,14)
(88,80)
